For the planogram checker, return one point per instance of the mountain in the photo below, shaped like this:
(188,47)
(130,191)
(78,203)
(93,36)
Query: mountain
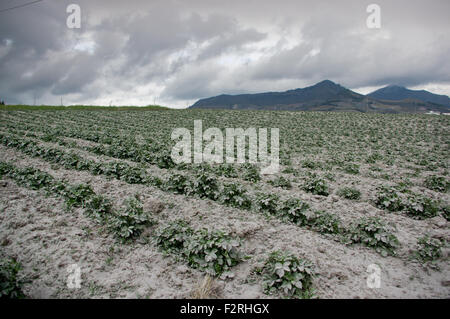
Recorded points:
(314,95)
(397,93)
(323,96)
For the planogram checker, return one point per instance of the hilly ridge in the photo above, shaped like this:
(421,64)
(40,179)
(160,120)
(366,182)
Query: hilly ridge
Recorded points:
(397,93)
(323,96)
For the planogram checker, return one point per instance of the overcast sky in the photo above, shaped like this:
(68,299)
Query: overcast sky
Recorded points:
(137,52)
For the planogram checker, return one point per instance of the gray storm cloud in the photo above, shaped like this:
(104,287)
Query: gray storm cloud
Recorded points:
(133,52)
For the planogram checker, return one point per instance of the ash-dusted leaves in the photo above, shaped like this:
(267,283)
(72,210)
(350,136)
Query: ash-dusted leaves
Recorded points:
(372,232)
(288,275)
(213,252)
(316,185)
(163,159)
(27,177)
(125,224)
(206,185)
(351,168)
(173,236)
(10,279)
(235,195)
(124,171)
(74,195)
(401,199)
(349,193)
(325,222)
(311,164)
(429,249)
(99,208)
(129,222)
(296,211)
(177,183)
(226,170)
(420,207)
(446,212)
(267,203)
(250,172)
(389,198)
(437,183)
(372,158)
(281,182)
(78,195)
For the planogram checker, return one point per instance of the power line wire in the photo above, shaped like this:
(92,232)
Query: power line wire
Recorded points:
(21,6)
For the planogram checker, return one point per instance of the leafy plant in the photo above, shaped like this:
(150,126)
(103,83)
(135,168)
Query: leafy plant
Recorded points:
(420,207)
(429,249)
(10,283)
(31,178)
(372,158)
(130,221)
(295,210)
(351,168)
(177,183)
(289,275)
(311,164)
(164,160)
(289,170)
(446,212)
(282,182)
(316,185)
(267,203)
(437,183)
(206,186)
(235,195)
(250,172)
(214,252)
(173,236)
(78,195)
(388,198)
(50,138)
(324,222)
(373,233)
(124,171)
(99,207)
(226,170)
(349,193)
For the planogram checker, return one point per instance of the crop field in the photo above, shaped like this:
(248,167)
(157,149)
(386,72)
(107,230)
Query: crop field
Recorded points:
(358,196)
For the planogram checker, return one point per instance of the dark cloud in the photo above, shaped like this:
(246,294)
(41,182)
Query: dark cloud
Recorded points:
(135,51)
(231,41)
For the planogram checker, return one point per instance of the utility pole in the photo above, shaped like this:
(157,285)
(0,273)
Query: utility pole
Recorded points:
(61,101)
